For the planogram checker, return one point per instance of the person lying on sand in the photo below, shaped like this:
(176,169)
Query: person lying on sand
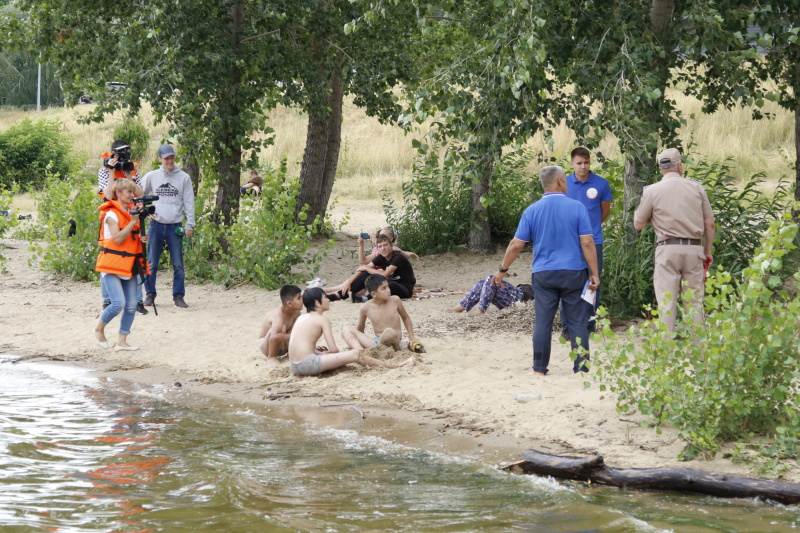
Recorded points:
(385,312)
(485,293)
(305,359)
(277,326)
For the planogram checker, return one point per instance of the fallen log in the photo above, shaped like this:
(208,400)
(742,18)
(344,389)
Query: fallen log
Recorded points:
(592,469)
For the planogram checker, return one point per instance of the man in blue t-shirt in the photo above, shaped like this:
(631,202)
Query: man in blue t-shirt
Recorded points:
(561,234)
(594,193)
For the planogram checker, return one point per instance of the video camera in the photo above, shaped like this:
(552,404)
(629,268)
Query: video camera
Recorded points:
(142,205)
(123,155)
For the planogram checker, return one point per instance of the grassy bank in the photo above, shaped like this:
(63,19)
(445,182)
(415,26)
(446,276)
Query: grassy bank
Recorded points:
(377,158)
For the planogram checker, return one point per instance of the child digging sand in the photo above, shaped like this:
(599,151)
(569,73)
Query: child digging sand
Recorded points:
(385,312)
(277,326)
(305,359)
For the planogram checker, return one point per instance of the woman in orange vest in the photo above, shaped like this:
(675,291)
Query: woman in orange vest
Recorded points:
(121,259)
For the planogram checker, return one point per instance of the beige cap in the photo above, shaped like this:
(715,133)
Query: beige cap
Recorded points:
(669,156)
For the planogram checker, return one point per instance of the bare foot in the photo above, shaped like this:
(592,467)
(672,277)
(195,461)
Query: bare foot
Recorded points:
(411,361)
(476,312)
(535,373)
(273,360)
(389,337)
(456,309)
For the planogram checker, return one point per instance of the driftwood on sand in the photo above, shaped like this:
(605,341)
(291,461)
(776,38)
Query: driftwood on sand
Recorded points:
(592,469)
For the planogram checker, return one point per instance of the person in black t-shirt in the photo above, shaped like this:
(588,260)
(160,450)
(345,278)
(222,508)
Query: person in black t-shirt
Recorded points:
(394,266)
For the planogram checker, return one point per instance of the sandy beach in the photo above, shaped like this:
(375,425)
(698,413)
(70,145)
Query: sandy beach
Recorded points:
(463,386)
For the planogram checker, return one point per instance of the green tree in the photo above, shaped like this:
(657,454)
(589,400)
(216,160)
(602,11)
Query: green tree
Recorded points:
(486,86)
(205,66)
(327,64)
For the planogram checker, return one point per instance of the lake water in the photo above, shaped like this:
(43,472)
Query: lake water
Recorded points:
(81,454)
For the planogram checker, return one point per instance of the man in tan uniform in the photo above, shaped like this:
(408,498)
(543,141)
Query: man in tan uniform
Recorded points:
(681,215)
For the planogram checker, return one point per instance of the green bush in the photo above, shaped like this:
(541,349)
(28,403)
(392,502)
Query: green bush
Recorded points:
(436,216)
(133,131)
(31,150)
(732,379)
(60,201)
(513,190)
(7,221)
(438,205)
(263,246)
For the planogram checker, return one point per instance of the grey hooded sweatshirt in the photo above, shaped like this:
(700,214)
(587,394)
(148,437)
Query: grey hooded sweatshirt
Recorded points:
(175,193)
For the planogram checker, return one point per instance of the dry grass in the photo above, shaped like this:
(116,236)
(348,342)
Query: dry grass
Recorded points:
(376,158)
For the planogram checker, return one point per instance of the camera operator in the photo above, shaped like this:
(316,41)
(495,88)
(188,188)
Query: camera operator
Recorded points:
(176,198)
(117,164)
(120,262)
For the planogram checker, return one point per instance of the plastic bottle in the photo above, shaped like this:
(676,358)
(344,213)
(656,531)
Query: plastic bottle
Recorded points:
(524,398)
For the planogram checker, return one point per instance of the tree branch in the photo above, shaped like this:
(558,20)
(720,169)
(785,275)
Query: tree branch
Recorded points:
(259,35)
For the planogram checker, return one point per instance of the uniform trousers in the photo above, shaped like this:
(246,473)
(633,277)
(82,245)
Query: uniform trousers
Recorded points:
(678,268)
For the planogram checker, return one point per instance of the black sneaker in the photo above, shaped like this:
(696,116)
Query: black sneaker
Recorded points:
(179,303)
(140,309)
(149,299)
(353,298)
(106,303)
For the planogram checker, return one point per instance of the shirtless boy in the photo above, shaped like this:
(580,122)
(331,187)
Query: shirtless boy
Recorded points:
(305,359)
(277,325)
(385,312)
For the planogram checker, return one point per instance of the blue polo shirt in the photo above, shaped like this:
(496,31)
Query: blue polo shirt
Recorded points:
(591,194)
(554,225)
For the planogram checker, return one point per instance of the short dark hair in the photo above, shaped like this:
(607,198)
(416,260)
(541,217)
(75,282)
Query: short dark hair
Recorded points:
(117,144)
(380,238)
(527,291)
(288,292)
(580,151)
(312,297)
(373,282)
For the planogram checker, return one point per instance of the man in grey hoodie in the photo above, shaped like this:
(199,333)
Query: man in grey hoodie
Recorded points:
(175,198)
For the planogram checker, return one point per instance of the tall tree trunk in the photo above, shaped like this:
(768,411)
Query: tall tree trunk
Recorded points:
(635,176)
(227,204)
(796,212)
(321,155)
(191,165)
(660,14)
(480,232)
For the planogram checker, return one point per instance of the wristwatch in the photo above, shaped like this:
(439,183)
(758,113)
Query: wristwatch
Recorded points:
(502,270)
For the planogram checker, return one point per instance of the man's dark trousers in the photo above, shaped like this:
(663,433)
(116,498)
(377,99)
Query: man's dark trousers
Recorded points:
(550,288)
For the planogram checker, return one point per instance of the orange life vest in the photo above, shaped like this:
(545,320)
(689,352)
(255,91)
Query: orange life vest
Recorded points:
(126,259)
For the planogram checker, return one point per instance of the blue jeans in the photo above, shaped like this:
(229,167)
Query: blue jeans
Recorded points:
(156,236)
(106,298)
(550,288)
(122,293)
(599,248)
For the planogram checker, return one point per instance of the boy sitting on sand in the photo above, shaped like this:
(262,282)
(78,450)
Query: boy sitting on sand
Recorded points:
(305,359)
(277,326)
(385,312)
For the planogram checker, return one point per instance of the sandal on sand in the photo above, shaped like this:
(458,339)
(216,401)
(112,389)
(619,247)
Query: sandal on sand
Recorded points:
(119,348)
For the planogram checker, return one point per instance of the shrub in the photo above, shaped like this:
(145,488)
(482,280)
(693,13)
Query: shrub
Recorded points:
(54,251)
(436,216)
(733,378)
(133,131)
(8,220)
(438,203)
(263,246)
(31,150)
